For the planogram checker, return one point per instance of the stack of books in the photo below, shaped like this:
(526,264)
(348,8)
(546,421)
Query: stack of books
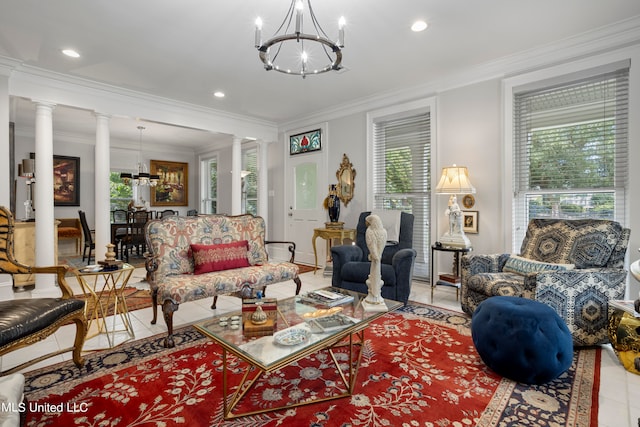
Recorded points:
(450,278)
(330,323)
(326,298)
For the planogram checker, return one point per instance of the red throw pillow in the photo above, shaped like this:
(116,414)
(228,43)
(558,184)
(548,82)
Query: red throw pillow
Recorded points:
(224,256)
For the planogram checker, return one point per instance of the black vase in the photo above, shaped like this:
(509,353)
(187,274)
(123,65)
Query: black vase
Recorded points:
(333,204)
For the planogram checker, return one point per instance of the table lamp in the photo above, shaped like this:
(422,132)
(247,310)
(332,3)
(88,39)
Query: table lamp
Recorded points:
(455,180)
(27,170)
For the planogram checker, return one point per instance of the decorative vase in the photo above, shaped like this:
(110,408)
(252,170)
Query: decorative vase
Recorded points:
(259,316)
(333,204)
(110,255)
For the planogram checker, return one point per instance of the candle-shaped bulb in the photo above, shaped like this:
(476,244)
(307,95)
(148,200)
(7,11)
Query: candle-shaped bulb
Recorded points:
(341,23)
(258,40)
(299,9)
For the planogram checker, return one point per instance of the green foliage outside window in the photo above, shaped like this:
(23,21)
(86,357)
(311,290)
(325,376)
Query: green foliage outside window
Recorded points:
(120,194)
(398,175)
(573,159)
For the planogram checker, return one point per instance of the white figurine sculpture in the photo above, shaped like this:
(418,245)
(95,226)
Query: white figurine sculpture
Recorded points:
(376,238)
(455,236)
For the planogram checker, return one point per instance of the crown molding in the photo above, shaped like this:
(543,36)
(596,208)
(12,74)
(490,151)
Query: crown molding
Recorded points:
(7,65)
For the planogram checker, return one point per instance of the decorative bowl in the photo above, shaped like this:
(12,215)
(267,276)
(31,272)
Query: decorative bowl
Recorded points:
(293,336)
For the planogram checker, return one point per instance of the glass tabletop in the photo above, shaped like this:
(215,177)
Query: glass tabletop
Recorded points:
(295,334)
(98,269)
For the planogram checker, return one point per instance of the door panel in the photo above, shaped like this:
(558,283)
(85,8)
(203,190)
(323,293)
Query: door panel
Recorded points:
(305,175)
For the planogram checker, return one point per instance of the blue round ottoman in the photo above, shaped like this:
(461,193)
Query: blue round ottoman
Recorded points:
(521,339)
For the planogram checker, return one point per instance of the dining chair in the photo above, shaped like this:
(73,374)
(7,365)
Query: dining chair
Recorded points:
(119,216)
(88,237)
(167,212)
(134,236)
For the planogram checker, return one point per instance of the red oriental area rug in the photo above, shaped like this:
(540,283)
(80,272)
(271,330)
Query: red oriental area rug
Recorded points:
(418,368)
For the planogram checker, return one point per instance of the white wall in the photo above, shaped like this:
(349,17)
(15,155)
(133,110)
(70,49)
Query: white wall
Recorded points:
(469,129)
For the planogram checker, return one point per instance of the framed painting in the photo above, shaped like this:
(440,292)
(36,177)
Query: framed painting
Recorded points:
(66,181)
(305,142)
(470,222)
(173,185)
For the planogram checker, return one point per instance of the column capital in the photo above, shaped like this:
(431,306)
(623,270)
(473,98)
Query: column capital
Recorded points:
(43,103)
(100,115)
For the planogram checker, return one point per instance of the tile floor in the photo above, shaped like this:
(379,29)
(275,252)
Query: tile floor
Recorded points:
(619,389)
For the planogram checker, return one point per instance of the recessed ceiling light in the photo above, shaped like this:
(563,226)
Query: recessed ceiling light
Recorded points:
(419,26)
(218,94)
(71,53)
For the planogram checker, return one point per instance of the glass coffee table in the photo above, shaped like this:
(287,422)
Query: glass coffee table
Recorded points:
(295,337)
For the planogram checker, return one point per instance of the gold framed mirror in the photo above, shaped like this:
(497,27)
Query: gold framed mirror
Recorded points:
(346,175)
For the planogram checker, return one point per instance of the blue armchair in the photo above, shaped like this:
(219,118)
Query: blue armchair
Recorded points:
(351,264)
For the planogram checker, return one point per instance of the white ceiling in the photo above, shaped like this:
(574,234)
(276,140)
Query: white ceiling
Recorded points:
(187,49)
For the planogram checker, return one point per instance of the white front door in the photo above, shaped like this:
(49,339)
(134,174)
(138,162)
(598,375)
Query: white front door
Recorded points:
(306,190)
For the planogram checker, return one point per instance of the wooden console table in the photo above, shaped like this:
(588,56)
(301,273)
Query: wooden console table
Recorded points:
(329,234)
(24,236)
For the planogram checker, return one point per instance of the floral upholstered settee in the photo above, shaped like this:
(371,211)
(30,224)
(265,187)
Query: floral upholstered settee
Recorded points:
(195,257)
(574,266)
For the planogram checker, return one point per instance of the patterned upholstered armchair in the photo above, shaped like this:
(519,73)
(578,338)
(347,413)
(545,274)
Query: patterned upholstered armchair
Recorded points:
(574,266)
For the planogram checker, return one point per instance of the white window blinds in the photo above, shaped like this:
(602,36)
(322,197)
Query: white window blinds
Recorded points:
(402,158)
(570,150)
(249,199)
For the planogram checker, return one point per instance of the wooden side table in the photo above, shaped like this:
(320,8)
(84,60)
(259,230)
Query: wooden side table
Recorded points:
(104,289)
(329,234)
(455,268)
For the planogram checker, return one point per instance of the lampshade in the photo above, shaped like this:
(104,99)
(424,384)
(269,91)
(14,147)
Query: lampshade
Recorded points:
(28,167)
(455,180)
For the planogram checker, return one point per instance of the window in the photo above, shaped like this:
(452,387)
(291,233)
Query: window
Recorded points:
(401,171)
(120,194)
(570,150)
(210,185)
(250,182)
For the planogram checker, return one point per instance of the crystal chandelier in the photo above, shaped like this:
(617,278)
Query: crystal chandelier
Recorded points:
(142,178)
(295,52)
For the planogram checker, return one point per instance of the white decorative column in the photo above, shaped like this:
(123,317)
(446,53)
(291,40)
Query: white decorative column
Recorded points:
(6,284)
(263,180)
(102,193)
(5,166)
(236,179)
(45,217)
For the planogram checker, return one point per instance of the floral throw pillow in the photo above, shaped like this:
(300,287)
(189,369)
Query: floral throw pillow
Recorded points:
(223,256)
